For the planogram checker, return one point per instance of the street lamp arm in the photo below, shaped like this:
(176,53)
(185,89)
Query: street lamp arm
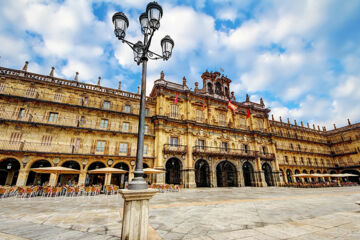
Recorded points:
(154,56)
(131,45)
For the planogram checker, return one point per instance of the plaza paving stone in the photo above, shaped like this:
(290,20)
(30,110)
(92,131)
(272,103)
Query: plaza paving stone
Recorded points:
(202,214)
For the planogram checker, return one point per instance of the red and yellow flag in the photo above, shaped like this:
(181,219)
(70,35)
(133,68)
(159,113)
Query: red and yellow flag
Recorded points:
(232,106)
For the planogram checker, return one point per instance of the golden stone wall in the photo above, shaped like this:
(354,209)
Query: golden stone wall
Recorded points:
(193,135)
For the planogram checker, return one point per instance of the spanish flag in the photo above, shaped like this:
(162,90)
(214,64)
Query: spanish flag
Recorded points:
(232,106)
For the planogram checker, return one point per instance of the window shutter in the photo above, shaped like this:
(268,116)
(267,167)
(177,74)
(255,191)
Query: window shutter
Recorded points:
(106,151)
(130,128)
(97,125)
(15,111)
(93,146)
(129,149)
(117,150)
(109,125)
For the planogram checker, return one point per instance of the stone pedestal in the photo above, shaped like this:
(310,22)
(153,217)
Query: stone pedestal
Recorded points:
(136,214)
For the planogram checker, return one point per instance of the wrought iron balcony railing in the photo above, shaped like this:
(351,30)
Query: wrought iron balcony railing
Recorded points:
(172,148)
(219,151)
(266,155)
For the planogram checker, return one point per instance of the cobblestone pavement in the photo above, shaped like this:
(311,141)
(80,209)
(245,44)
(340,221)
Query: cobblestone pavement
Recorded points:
(222,213)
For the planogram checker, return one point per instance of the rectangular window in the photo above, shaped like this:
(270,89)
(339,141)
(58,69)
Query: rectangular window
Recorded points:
(173,141)
(15,137)
(224,146)
(201,144)
(46,140)
(145,149)
(127,108)
(104,123)
(245,148)
(147,112)
(199,115)
(82,120)
(21,113)
(84,101)
(174,111)
(123,148)
(53,117)
(100,146)
(146,128)
(126,127)
(222,121)
(106,105)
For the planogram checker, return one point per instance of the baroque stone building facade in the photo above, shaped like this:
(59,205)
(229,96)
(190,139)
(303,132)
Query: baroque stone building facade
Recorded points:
(191,134)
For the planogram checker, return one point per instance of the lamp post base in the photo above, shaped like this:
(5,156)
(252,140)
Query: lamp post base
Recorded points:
(138,183)
(136,214)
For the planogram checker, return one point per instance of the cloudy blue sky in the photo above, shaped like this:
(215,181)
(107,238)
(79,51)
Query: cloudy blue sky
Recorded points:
(302,57)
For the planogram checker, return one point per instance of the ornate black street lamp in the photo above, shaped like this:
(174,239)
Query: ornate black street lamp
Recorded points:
(150,22)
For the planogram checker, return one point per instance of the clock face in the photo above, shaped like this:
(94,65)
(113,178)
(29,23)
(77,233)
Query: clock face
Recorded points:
(110,162)
(132,163)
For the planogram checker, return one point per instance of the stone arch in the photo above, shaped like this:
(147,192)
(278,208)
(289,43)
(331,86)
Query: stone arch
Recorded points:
(38,178)
(98,178)
(248,174)
(31,162)
(69,178)
(9,171)
(202,173)
(268,174)
(94,161)
(297,171)
(226,174)
(173,167)
(312,172)
(64,163)
(289,176)
(210,88)
(218,88)
(121,179)
(354,178)
(305,178)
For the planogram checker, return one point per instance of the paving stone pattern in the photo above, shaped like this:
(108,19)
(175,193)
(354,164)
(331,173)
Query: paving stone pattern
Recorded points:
(208,214)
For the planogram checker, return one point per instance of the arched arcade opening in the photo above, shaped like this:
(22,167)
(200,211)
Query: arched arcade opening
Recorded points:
(226,174)
(268,174)
(9,171)
(248,174)
(95,178)
(202,173)
(173,171)
(38,178)
(120,179)
(69,179)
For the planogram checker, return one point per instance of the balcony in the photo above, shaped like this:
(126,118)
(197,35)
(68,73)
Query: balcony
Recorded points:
(218,151)
(60,148)
(302,150)
(175,149)
(92,124)
(269,156)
